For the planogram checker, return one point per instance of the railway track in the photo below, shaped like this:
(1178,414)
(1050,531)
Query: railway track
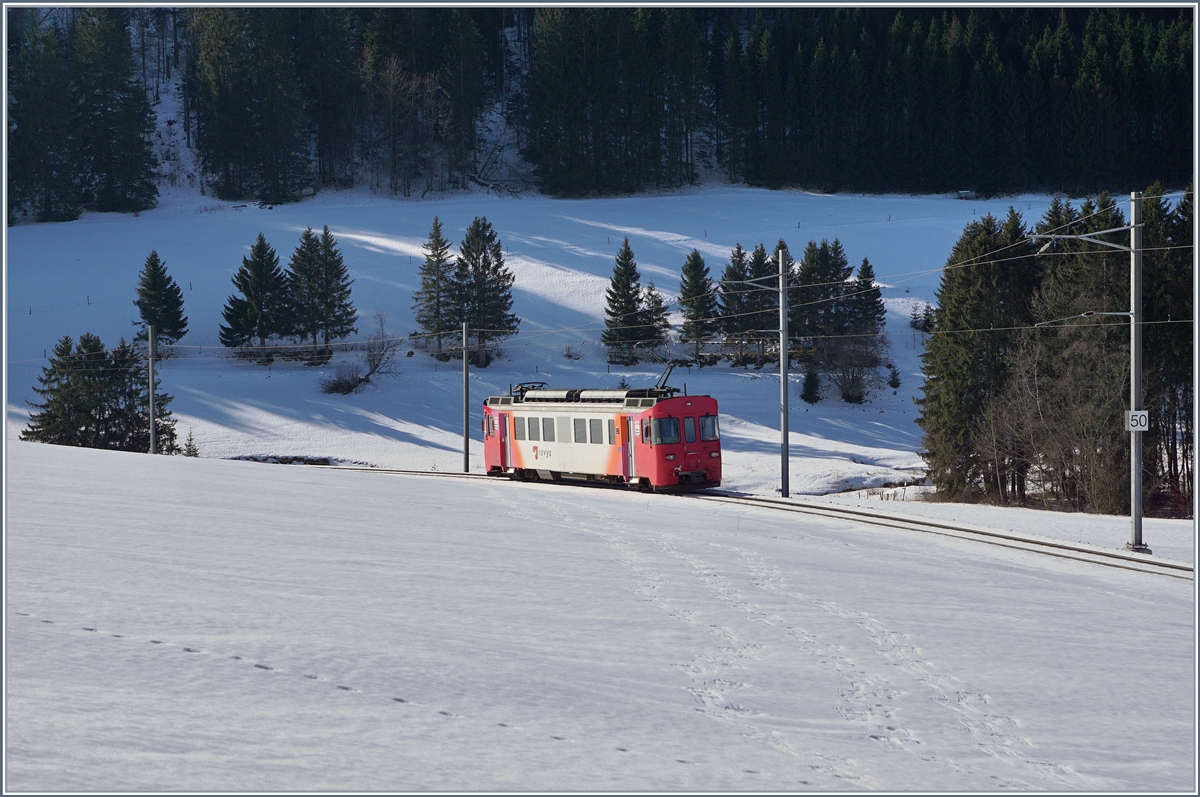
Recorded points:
(1123,560)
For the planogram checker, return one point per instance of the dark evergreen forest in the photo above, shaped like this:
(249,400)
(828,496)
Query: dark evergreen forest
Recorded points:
(280,102)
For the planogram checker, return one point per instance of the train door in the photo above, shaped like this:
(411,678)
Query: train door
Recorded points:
(505,440)
(629,426)
(691,455)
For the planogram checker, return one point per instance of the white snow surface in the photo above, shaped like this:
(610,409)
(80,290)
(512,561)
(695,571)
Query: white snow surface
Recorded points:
(67,279)
(181,623)
(543,637)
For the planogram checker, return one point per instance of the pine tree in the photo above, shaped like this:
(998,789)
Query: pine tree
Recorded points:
(811,390)
(852,357)
(820,312)
(981,296)
(160,302)
(622,312)
(338,315)
(734,301)
(319,292)
(114,121)
(482,289)
(261,312)
(42,173)
(304,285)
(762,303)
(433,302)
(655,326)
(698,302)
(224,87)
(96,398)
(190,449)
(281,137)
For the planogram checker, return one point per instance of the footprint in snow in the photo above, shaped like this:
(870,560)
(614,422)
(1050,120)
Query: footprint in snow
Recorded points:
(263,667)
(192,650)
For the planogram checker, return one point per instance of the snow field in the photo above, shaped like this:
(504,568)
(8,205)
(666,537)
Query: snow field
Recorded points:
(80,277)
(180,623)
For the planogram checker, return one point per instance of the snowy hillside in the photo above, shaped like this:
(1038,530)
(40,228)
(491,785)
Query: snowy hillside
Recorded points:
(178,623)
(66,279)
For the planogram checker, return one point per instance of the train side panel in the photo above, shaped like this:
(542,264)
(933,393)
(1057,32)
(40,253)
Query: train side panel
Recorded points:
(673,445)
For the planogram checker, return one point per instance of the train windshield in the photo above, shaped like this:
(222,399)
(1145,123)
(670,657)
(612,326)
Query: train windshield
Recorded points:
(708,428)
(665,431)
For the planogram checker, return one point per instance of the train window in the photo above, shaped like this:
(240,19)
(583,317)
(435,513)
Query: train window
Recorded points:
(518,428)
(645,430)
(548,429)
(664,430)
(612,432)
(533,429)
(708,428)
(581,430)
(596,430)
(689,430)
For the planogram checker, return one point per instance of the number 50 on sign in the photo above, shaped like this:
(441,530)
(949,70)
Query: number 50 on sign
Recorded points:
(1137,420)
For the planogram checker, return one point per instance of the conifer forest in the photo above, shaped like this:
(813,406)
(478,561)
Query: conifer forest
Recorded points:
(280,102)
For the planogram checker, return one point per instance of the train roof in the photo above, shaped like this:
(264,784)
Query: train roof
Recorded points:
(528,392)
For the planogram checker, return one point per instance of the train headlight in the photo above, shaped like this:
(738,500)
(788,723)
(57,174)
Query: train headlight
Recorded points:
(715,454)
(670,456)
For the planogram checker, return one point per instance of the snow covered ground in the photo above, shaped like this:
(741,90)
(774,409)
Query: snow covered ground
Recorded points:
(66,279)
(542,637)
(178,623)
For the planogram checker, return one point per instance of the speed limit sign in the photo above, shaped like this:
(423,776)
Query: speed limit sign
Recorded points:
(1137,420)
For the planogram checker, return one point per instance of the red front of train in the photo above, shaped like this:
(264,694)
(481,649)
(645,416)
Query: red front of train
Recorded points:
(648,439)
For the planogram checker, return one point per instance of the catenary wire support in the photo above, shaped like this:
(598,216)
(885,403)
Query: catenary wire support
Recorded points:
(150,368)
(784,453)
(466,406)
(1137,419)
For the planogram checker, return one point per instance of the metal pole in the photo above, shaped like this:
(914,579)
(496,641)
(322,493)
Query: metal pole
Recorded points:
(783,377)
(466,408)
(150,365)
(1135,372)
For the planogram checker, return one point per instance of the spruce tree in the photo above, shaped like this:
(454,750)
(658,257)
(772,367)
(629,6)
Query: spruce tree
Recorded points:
(980,298)
(622,311)
(482,289)
(433,301)
(114,122)
(261,312)
(160,302)
(190,449)
(697,302)
(304,288)
(810,392)
(762,302)
(734,301)
(338,315)
(319,292)
(42,172)
(655,326)
(280,127)
(97,398)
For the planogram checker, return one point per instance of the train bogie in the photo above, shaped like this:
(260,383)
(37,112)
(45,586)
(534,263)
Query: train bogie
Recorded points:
(650,438)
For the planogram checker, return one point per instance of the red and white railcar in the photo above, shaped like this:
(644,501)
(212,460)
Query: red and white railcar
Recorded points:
(648,438)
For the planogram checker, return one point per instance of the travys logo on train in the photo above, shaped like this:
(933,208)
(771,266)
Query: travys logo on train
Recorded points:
(543,453)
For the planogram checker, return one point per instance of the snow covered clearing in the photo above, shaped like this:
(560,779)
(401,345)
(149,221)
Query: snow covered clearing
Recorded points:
(178,623)
(66,279)
(181,623)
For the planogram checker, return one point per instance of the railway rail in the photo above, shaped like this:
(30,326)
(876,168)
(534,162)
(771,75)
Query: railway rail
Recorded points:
(1124,560)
